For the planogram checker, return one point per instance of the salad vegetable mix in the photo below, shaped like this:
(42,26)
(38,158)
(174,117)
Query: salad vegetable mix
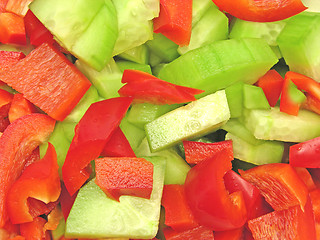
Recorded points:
(159,119)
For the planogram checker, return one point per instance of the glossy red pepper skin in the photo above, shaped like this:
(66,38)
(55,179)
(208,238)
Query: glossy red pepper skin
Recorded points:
(20,107)
(12,30)
(208,197)
(305,154)
(118,176)
(144,87)
(9,58)
(175,20)
(91,135)
(261,11)
(17,143)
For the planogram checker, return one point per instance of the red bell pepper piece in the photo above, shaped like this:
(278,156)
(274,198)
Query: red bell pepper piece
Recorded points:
(199,232)
(92,133)
(117,146)
(291,223)
(305,176)
(18,238)
(38,208)
(9,231)
(19,7)
(5,97)
(55,85)
(3,4)
(305,154)
(175,20)
(178,214)
(196,152)
(208,198)
(124,176)
(36,31)
(54,218)
(34,230)
(315,199)
(12,29)
(261,11)
(144,87)
(271,84)
(4,120)
(234,234)
(9,58)
(254,201)
(39,180)
(20,107)
(304,83)
(311,103)
(315,174)
(279,183)
(66,201)
(16,143)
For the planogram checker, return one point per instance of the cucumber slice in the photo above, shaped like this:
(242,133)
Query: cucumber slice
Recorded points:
(264,153)
(220,64)
(192,121)
(138,54)
(299,44)
(275,125)
(199,7)
(133,65)
(234,95)
(134,134)
(94,215)
(212,26)
(254,97)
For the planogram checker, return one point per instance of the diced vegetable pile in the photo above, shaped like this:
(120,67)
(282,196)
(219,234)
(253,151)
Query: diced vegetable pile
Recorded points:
(159,119)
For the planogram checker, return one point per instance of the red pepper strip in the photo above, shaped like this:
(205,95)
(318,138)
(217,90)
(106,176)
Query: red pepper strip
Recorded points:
(315,174)
(254,201)
(117,146)
(39,180)
(55,85)
(261,11)
(33,157)
(18,238)
(91,135)
(279,183)
(36,31)
(208,198)
(178,215)
(5,97)
(291,223)
(305,154)
(124,176)
(196,152)
(20,107)
(9,58)
(38,208)
(175,20)
(4,120)
(234,234)
(3,4)
(315,199)
(311,103)
(287,104)
(199,232)
(16,143)
(35,230)
(304,83)
(12,29)
(144,87)
(54,218)
(305,176)
(66,201)
(19,7)
(271,84)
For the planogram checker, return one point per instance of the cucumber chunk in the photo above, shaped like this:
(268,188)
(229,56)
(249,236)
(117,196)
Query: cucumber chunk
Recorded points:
(194,120)
(94,215)
(220,64)
(254,97)
(275,125)
(139,54)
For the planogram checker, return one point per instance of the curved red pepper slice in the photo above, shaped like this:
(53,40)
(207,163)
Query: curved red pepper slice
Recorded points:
(208,197)
(40,180)
(16,143)
(261,11)
(35,229)
(91,135)
(175,20)
(305,154)
(279,183)
(144,87)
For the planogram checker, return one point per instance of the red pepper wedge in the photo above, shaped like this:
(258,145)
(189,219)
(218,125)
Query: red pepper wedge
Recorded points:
(305,176)
(38,208)
(305,154)
(55,85)
(287,104)
(117,146)
(271,84)
(291,223)
(199,232)
(20,107)
(17,143)
(279,183)
(9,58)
(178,214)
(261,11)
(118,176)
(91,135)
(34,230)
(19,7)
(66,201)
(12,30)
(208,198)
(36,31)
(315,199)
(196,152)
(311,103)
(175,20)
(144,87)
(304,83)
(39,180)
